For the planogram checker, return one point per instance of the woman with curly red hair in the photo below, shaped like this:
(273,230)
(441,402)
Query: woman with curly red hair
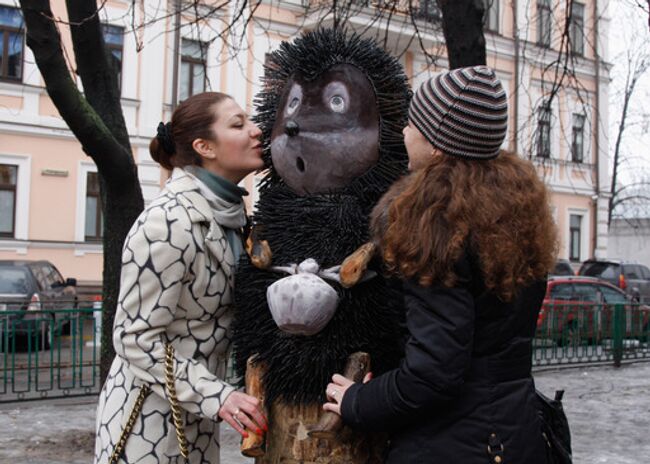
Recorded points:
(470,234)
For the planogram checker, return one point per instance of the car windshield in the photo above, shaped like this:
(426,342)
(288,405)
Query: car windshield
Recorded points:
(603,270)
(562,291)
(585,292)
(612,296)
(13,280)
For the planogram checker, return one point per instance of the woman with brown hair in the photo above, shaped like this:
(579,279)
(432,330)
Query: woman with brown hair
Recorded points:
(469,231)
(165,391)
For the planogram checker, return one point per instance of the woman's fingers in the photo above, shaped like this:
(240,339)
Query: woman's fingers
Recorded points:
(244,417)
(255,411)
(333,407)
(331,392)
(242,412)
(234,424)
(338,379)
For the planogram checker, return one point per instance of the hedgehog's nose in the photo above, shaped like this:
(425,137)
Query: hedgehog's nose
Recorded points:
(291,128)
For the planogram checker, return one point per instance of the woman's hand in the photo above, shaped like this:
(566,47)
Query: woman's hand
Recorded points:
(335,391)
(243,412)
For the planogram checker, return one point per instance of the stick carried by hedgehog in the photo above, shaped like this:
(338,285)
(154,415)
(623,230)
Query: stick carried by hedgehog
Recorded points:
(331,112)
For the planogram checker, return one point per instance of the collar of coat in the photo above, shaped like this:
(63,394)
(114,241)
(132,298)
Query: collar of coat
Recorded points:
(188,194)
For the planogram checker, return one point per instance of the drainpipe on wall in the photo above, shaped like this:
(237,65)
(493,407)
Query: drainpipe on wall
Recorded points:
(596,132)
(515,29)
(177,40)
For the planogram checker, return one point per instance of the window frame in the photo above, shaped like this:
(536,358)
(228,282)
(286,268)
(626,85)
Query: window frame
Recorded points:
(491,10)
(11,188)
(192,62)
(572,242)
(99,212)
(577,28)
(544,11)
(578,129)
(544,130)
(110,47)
(428,10)
(5,30)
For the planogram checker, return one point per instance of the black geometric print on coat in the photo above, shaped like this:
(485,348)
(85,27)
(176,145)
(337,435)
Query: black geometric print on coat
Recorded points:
(176,286)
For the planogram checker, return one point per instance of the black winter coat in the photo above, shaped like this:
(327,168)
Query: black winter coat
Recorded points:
(465,376)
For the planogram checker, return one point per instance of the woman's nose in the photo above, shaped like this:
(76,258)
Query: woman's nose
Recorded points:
(256,132)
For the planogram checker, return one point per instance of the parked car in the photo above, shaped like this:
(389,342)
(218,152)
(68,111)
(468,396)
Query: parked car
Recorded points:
(563,268)
(632,278)
(581,308)
(29,286)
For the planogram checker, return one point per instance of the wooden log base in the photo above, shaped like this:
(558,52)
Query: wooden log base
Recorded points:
(288,440)
(254,445)
(355,265)
(329,425)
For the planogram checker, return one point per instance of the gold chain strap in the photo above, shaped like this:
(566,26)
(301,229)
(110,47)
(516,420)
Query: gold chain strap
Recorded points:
(173,401)
(137,408)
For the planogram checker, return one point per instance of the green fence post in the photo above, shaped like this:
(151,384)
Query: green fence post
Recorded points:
(618,333)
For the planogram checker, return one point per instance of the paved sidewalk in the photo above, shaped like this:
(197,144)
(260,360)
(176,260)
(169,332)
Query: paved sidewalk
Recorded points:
(609,412)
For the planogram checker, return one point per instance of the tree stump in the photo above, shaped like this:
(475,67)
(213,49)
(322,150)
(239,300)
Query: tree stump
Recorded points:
(288,442)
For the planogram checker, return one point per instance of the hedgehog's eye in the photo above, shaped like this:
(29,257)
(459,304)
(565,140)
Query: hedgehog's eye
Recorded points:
(293,101)
(293,104)
(337,103)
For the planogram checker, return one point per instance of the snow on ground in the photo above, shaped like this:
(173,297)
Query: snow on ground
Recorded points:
(608,410)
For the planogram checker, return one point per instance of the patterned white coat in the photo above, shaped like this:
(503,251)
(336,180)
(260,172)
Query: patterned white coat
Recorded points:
(176,286)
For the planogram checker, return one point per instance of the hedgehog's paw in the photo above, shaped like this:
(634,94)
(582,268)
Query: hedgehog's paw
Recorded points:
(259,252)
(355,265)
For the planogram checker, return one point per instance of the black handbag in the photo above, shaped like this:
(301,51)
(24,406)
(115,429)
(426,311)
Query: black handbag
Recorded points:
(555,428)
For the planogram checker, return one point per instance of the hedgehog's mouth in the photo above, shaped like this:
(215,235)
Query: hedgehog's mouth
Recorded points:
(319,162)
(300,164)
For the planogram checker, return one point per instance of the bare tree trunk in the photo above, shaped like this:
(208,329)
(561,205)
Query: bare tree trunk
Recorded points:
(617,152)
(97,121)
(462,26)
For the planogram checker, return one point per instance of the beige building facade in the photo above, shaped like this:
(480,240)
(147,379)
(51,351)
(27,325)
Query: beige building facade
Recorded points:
(49,204)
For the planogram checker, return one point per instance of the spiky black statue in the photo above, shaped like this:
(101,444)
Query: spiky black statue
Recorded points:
(332,111)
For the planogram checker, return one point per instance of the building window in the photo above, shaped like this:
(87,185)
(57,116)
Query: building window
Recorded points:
(94,217)
(544,131)
(8,176)
(428,10)
(577,140)
(114,40)
(491,15)
(575,232)
(193,62)
(11,43)
(544,17)
(577,32)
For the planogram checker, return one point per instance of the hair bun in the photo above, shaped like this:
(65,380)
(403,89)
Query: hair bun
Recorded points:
(164,136)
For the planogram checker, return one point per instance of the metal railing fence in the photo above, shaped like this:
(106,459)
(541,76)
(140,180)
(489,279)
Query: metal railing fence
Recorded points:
(587,333)
(55,353)
(48,353)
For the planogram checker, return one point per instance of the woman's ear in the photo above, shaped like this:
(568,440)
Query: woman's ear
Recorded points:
(204,148)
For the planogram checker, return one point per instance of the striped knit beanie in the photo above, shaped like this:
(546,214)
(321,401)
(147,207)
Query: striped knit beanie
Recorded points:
(463,112)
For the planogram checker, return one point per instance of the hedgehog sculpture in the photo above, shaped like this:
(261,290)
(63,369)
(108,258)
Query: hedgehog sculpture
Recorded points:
(331,111)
